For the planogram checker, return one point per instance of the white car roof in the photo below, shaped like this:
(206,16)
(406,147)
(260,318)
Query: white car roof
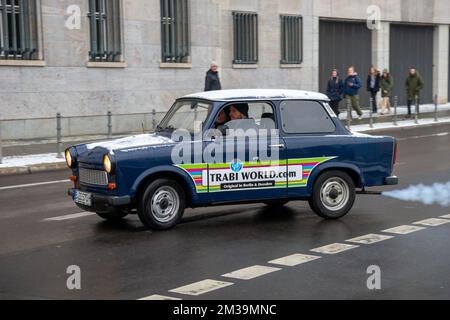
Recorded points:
(258,94)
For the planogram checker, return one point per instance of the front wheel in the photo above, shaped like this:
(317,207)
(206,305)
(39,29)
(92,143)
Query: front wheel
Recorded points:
(333,195)
(162,204)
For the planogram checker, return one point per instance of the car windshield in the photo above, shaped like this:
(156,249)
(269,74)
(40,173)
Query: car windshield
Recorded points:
(186,115)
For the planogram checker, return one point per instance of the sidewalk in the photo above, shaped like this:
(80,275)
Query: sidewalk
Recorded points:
(25,159)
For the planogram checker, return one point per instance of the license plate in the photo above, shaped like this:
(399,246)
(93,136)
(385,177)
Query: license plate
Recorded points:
(83,198)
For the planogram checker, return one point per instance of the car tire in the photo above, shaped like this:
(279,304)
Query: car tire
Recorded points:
(162,204)
(276,203)
(113,216)
(333,195)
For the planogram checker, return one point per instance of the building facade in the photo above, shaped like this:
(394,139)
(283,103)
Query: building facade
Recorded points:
(88,57)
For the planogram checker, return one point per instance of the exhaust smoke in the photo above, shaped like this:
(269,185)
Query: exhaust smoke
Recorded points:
(438,193)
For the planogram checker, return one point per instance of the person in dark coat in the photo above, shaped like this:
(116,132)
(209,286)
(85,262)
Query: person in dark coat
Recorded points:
(212,81)
(335,90)
(373,86)
(414,84)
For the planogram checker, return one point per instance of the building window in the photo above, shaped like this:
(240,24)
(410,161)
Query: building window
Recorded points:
(175,42)
(291,40)
(245,30)
(105,31)
(18,30)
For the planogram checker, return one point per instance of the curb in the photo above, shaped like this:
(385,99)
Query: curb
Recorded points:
(60,166)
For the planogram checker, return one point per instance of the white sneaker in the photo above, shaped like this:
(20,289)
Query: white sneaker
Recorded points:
(361,117)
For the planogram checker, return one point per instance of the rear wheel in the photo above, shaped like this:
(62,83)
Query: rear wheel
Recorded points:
(115,215)
(162,204)
(333,195)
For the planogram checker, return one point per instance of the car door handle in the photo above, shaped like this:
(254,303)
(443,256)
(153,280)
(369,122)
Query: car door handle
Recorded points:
(279,146)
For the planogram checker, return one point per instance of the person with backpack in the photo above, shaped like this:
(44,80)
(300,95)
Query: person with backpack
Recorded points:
(352,85)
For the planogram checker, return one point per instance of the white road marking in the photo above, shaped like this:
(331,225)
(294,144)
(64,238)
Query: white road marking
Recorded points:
(70,216)
(432,222)
(404,229)
(21,186)
(370,238)
(294,260)
(447,216)
(334,248)
(158,297)
(251,272)
(201,287)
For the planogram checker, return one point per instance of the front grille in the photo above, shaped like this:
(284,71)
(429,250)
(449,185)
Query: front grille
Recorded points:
(93,177)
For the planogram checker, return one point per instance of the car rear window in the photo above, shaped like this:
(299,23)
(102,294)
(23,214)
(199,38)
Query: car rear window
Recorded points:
(305,117)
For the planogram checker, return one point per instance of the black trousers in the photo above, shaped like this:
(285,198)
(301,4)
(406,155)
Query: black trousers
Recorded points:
(373,95)
(410,103)
(335,106)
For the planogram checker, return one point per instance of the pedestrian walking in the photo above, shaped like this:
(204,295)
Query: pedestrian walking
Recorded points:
(386,86)
(352,85)
(335,90)
(373,86)
(414,84)
(212,81)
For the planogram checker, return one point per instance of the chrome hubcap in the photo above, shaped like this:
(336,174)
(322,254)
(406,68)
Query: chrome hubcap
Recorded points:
(334,194)
(165,204)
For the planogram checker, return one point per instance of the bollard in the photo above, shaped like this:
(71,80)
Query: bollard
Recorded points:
(371,113)
(109,125)
(349,114)
(435,108)
(58,137)
(395,110)
(1,153)
(154,120)
(416,115)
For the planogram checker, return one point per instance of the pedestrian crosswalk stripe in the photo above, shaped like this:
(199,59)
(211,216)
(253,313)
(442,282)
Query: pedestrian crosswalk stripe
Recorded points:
(335,248)
(158,297)
(432,222)
(404,229)
(251,272)
(201,287)
(294,260)
(370,238)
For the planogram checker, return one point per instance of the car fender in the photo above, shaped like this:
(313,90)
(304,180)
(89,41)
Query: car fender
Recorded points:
(333,166)
(183,175)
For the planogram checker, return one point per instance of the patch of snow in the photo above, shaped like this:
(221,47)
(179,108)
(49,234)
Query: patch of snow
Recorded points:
(400,124)
(29,160)
(141,140)
(401,110)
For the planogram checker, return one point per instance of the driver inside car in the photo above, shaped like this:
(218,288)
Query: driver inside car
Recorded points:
(240,119)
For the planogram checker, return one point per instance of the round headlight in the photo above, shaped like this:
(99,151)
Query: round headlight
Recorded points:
(69,159)
(107,163)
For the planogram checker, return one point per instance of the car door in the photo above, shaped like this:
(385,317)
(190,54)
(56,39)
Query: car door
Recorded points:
(307,130)
(251,166)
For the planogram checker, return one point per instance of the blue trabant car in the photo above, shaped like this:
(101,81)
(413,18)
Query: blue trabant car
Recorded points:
(229,147)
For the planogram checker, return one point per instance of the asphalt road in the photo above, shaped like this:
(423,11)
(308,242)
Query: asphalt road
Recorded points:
(125,261)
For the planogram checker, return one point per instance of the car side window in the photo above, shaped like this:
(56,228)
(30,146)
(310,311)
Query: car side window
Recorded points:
(245,116)
(302,117)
